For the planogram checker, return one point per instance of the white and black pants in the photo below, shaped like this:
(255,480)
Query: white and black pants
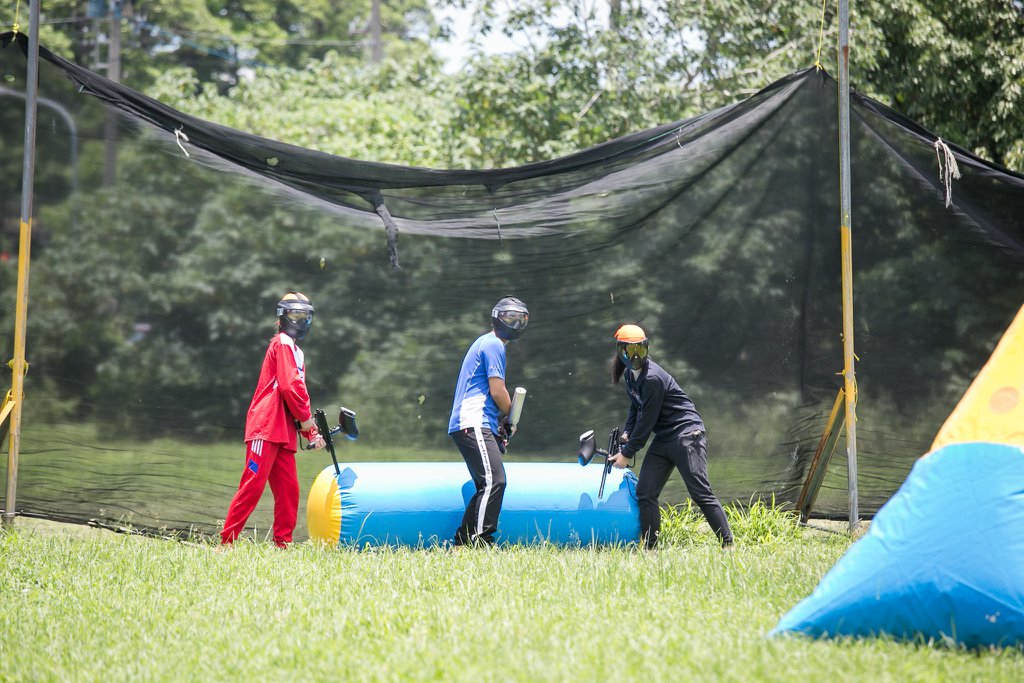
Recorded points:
(480,451)
(688,454)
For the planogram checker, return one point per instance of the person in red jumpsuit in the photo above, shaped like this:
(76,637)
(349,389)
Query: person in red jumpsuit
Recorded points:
(278,404)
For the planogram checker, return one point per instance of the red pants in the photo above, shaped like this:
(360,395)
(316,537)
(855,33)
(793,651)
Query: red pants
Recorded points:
(265,461)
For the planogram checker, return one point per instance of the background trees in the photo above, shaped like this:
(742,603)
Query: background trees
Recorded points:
(596,70)
(588,70)
(221,39)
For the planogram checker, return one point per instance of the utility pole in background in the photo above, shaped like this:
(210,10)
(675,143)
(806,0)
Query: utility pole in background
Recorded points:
(98,11)
(376,47)
(615,14)
(114,74)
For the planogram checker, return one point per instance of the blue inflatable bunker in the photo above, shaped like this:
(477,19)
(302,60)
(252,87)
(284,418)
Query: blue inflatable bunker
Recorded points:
(422,503)
(942,561)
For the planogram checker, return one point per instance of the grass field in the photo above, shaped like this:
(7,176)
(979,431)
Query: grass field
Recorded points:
(78,604)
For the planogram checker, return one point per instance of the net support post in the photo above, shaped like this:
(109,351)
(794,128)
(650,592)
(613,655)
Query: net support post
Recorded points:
(819,464)
(18,364)
(849,374)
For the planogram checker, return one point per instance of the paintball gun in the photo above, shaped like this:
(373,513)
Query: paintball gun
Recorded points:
(346,425)
(588,449)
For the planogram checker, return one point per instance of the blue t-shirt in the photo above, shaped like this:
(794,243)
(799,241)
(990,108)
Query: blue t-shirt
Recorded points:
(473,406)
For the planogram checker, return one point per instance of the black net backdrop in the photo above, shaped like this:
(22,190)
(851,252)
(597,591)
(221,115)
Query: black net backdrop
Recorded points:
(152,293)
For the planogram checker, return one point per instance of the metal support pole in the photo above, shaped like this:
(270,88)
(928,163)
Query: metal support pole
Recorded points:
(18,365)
(849,375)
(69,120)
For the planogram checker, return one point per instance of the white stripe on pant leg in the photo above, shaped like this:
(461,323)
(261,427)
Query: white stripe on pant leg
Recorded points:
(488,481)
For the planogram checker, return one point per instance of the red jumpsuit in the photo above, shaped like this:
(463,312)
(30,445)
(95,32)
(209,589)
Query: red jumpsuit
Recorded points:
(270,437)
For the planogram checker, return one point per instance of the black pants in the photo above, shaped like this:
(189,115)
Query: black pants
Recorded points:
(689,454)
(480,451)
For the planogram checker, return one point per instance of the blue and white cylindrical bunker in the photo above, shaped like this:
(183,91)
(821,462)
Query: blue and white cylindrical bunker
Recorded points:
(422,503)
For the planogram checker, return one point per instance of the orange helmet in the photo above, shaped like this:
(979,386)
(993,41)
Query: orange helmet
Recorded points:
(630,334)
(631,344)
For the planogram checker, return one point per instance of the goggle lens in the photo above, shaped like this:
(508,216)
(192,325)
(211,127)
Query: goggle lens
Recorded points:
(517,320)
(299,316)
(631,350)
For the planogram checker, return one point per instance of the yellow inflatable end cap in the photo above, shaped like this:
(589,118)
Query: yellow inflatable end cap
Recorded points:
(323,509)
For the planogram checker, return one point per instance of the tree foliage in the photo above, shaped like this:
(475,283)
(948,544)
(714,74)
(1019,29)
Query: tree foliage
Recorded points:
(595,71)
(587,71)
(223,40)
(957,68)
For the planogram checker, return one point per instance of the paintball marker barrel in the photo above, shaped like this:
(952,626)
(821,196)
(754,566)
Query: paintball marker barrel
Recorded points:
(518,398)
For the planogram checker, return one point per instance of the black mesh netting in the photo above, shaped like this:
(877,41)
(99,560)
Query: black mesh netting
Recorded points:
(152,294)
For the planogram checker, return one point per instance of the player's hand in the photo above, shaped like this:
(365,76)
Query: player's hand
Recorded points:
(312,436)
(618,461)
(505,432)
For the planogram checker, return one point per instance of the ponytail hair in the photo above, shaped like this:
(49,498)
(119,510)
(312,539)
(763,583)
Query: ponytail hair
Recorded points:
(618,367)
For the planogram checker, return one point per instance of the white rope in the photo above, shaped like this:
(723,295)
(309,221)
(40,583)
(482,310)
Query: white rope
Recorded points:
(179,135)
(501,239)
(948,170)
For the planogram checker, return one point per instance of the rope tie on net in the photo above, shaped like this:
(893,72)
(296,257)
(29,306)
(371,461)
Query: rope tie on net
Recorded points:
(948,169)
(390,227)
(855,388)
(821,36)
(179,136)
(15,27)
(24,371)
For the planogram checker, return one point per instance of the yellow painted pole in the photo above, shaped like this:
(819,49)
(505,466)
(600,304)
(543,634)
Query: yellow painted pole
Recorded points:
(18,365)
(6,408)
(845,235)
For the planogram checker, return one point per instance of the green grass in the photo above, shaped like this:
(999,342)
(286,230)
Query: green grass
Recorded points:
(93,606)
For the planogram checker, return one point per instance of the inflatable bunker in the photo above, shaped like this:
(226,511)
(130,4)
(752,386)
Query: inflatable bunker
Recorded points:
(943,560)
(422,503)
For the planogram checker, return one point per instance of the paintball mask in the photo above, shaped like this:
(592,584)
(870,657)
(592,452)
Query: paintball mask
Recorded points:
(510,317)
(631,346)
(295,315)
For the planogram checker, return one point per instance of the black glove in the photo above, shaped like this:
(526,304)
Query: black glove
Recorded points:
(503,435)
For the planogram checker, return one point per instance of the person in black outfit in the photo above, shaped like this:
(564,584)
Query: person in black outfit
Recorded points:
(658,405)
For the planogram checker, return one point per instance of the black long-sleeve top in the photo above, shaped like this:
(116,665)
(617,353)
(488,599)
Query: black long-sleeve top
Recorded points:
(657,405)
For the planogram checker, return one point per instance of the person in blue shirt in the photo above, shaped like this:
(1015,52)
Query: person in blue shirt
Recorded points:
(658,406)
(481,402)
